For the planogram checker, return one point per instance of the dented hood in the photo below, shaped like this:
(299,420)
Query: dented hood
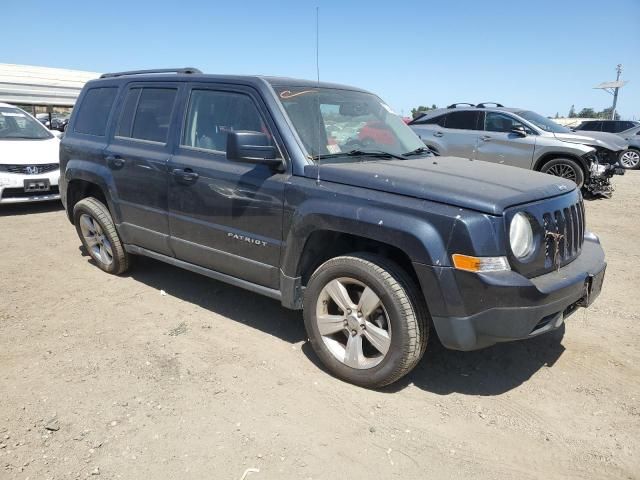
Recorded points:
(606,140)
(482,186)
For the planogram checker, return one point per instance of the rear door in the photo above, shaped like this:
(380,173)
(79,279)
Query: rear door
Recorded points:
(497,143)
(460,133)
(138,156)
(224,215)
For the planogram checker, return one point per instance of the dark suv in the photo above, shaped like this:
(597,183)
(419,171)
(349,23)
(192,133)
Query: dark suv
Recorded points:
(611,126)
(279,186)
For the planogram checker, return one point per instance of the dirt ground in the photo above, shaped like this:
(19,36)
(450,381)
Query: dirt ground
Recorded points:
(164,374)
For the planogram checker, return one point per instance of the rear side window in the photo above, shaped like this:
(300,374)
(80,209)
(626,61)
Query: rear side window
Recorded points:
(611,127)
(437,120)
(465,120)
(212,115)
(94,110)
(146,114)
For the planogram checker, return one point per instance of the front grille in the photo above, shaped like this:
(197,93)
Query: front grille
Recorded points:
(30,169)
(20,193)
(563,234)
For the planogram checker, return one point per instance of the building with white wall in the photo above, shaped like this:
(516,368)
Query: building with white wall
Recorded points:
(41,89)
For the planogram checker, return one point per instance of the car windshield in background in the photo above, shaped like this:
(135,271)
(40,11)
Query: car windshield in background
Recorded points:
(347,125)
(15,124)
(543,122)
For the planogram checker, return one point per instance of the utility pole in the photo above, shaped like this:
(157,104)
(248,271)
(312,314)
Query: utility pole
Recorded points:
(613,88)
(615,92)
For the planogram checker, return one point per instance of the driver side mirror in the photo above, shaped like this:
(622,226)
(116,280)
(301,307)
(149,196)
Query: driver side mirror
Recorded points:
(519,130)
(251,147)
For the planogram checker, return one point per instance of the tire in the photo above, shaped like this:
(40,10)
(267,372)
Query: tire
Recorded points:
(630,159)
(99,237)
(565,168)
(398,326)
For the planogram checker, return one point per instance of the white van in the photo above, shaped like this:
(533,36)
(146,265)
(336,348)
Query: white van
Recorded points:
(29,167)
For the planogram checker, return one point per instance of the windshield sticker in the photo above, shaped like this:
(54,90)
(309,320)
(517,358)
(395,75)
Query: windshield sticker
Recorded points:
(388,108)
(333,148)
(11,114)
(289,94)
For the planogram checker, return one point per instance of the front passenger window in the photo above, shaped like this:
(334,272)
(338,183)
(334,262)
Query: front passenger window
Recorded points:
(212,115)
(499,122)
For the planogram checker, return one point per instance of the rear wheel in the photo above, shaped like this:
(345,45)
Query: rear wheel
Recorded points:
(365,319)
(99,237)
(630,159)
(565,168)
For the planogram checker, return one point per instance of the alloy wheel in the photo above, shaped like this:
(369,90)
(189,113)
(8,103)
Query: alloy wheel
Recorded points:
(353,323)
(96,241)
(563,170)
(630,159)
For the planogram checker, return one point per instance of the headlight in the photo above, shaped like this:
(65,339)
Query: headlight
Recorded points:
(521,235)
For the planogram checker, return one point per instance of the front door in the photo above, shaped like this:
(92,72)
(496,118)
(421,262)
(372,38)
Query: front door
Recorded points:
(225,215)
(138,156)
(499,144)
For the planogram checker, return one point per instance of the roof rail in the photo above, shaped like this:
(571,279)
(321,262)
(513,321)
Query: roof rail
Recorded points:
(484,104)
(455,105)
(188,70)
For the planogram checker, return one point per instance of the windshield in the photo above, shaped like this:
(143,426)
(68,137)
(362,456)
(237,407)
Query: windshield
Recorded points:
(543,123)
(334,122)
(16,124)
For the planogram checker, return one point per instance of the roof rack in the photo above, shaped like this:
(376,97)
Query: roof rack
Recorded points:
(455,105)
(187,70)
(484,104)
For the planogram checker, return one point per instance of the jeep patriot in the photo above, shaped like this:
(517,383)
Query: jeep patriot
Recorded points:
(319,196)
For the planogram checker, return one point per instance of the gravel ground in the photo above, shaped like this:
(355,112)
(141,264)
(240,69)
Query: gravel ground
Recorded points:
(165,374)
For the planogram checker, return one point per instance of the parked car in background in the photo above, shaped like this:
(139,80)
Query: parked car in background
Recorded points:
(56,122)
(29,165)
(238,178)
(522,138)
(631,158)
(611,126)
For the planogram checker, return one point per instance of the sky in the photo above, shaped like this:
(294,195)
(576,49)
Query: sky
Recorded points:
(544,55)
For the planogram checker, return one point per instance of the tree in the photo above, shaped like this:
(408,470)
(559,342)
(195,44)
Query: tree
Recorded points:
(572,111)
(587,113)
(421,109)
(606,114)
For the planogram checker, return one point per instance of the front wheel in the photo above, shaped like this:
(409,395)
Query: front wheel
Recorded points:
(630,159)
(365,319)
(565,168)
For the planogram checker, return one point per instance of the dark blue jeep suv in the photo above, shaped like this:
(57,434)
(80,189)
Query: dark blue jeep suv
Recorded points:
(318,195)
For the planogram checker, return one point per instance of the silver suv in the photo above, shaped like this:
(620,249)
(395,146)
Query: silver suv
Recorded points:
(521,138)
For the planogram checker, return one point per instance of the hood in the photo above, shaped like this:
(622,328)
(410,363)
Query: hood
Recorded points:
(606,140)
(481,186)
(29,152)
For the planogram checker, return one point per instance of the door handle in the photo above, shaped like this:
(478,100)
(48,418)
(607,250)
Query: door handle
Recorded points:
(186,175)
(115,162)
(438,134)
(486,138)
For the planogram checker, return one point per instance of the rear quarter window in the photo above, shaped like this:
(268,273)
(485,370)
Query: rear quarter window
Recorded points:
(94,110)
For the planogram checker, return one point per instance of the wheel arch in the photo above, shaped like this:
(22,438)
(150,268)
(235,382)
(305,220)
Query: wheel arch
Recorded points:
(80,188)
(547,157)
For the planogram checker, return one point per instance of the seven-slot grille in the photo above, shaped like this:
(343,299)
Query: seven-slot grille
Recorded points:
(30,169)
(564,234)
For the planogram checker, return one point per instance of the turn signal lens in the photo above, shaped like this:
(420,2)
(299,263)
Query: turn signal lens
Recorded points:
(480,264)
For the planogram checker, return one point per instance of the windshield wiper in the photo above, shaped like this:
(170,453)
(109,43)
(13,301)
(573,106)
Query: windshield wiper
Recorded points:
(418,151)
(361,153)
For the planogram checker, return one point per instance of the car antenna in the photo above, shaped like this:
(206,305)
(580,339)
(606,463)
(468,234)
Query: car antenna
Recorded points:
(318,92)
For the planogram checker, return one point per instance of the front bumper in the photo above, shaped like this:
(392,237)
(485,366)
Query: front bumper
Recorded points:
(12,187)
(472,311)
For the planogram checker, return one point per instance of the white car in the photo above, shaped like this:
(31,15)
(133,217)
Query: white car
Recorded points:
(29,165)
